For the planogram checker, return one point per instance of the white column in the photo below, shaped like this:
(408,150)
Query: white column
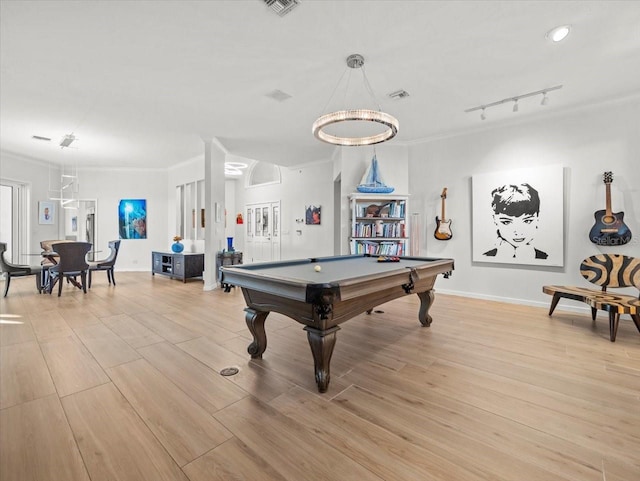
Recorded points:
(214,235)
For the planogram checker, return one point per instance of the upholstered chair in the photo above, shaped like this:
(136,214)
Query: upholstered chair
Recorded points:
(72,262)
(15,270)
(107,264)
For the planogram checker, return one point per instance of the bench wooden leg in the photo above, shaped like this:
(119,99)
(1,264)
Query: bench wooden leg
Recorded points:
(614,319)
(636,320)
(554,302)
(594,312)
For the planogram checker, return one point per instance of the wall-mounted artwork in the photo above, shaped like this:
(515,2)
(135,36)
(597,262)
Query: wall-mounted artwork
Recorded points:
(46,212)
(74,223)
(518,216)
(132,219)
(312,214)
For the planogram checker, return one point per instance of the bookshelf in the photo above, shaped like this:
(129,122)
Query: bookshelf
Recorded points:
(379,224)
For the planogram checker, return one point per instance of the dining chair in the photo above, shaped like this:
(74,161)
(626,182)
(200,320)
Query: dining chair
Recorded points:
(107,264)
(16,270)
(72,262)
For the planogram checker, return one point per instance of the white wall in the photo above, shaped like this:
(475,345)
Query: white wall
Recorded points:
(586,143)
(304,185)
(109,187)
(35,173)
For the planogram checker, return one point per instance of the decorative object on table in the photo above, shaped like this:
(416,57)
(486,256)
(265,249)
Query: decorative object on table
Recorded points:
(74,224)
(372,182)
(443,226)
(609,228)
(46,212)
(177,246)
(518,216)
(132,219)
(313,215)
(239,219)
(230,244)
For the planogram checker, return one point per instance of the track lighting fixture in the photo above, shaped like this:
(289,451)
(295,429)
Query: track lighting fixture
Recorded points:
(515,99)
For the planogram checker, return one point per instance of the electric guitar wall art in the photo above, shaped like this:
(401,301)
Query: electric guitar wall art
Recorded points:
(443,226)
(609,228)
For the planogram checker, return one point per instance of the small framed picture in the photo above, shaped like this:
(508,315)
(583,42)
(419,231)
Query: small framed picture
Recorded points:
(46,212)
(313,215)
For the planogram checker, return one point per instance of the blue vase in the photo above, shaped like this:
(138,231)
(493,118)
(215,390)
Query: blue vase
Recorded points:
(230,244)
(177,247)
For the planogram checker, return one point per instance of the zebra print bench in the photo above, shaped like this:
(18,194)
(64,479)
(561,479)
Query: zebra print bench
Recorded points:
(604,270)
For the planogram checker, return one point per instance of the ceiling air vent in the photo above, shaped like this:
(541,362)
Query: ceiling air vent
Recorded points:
(279,95)
(281,7)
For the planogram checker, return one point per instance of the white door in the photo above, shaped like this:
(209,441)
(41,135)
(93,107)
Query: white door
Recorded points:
(263,232)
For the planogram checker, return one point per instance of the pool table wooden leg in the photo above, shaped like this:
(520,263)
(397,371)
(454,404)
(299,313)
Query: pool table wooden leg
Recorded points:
(426,299)
(255,323)
(322,344)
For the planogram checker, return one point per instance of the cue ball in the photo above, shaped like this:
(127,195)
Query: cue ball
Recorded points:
(317,268)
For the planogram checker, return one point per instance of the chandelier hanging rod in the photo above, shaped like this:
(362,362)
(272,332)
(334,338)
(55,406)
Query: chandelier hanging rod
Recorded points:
(514,98)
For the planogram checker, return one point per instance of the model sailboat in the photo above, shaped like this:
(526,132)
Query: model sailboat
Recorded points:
(372,182)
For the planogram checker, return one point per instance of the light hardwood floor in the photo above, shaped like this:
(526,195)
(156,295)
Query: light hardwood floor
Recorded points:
(123,383)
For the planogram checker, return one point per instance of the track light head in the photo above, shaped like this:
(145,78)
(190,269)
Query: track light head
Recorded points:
(515,105)
(545,99)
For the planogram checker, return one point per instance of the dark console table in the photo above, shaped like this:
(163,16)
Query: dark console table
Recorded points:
(181,266)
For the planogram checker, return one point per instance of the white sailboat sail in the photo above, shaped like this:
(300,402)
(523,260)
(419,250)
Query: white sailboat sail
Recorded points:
(372,181)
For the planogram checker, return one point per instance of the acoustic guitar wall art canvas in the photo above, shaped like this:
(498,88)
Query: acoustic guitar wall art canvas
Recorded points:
(609,228)
(443,226)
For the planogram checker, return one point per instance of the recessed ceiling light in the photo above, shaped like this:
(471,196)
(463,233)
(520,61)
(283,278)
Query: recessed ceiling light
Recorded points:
(559,33)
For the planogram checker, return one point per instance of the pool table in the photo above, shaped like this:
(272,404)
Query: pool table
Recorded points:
(322,293)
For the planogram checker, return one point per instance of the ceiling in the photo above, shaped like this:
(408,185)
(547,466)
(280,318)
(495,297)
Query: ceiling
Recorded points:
(142,83)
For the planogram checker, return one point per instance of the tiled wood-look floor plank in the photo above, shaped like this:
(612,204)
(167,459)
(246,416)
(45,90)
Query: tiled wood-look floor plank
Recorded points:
(108,348)
(79,317)
(299,454)
(49,324)
(16,329)
(184,428)
(131,331)
(231,461)
(37,444)
(115,444)
(204,385)
(72,367)
(164,327)
(23,374)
